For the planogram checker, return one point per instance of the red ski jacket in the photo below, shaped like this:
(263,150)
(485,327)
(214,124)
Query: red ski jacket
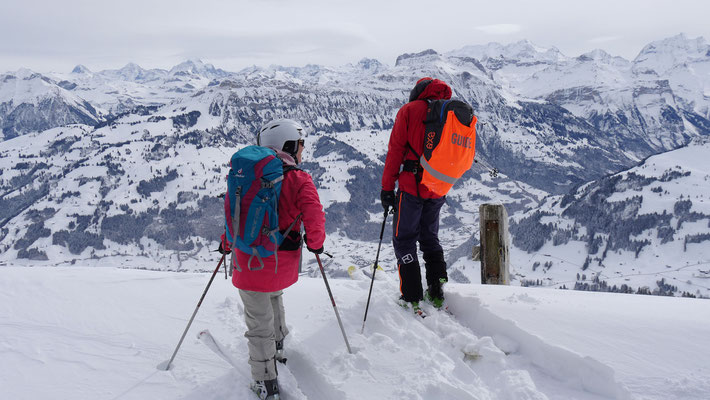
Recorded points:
(408,130)
(298,196)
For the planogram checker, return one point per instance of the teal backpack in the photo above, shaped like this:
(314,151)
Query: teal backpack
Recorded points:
(252,203)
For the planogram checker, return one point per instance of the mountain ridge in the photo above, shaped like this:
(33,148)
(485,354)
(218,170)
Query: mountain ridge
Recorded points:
(143,177)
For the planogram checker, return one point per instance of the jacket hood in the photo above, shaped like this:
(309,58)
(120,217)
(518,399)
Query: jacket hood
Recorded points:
(428,88)
(286,158)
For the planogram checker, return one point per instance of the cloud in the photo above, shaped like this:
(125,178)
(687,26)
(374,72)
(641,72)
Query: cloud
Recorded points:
(603,39)
(500,29)
(288,44)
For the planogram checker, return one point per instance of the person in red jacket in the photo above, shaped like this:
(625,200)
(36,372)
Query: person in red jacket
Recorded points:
(261,290)
(416,208)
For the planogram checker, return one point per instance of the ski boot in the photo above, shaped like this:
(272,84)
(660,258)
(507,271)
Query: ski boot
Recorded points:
(280,355)
(435,293)
(415,307)
(266,390)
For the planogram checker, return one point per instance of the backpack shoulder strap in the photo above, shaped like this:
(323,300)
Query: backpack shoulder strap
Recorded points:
(289,168)
(413,166)
(410,148)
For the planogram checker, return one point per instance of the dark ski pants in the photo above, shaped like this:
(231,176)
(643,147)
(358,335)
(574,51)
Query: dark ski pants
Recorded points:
(417,220)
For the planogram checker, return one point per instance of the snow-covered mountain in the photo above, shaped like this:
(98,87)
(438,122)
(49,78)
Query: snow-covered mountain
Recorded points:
(31,102)
(654,103)
(647,227)
(197,68)
(122,90)
(142,179)
(538,104)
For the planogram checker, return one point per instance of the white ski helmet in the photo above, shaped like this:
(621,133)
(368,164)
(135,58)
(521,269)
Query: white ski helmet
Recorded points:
(281,134)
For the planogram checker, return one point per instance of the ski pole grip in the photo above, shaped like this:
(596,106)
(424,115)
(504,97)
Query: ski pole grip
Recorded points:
(384,221)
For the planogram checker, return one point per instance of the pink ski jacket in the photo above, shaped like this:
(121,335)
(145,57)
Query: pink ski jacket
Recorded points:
(298,196)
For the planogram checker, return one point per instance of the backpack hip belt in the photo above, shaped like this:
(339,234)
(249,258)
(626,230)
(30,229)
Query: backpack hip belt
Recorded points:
(412,166)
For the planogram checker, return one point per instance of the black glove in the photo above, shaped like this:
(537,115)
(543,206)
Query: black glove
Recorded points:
(387,198)
(222,251)
(291,242)
(314,251)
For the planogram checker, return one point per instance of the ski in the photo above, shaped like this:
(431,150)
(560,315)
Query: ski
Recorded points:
(418,309)
(362,273)
(470,356)
(212,343)
(415,308)
(368,272)
(444,308)
(353,272)
(206,337)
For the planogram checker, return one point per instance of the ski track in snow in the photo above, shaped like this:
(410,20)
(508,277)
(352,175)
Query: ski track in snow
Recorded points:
(553,367)
(110,349)
(522,374)
(403,356)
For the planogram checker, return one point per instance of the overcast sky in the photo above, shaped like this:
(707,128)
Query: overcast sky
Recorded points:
(56,35)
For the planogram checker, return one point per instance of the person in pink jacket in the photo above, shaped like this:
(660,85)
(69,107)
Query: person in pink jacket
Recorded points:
(261,290)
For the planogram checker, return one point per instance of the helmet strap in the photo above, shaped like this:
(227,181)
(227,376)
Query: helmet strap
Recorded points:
(291,147)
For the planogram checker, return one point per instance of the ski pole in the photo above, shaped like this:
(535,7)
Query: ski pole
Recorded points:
(166,366)
(337,315)
(374,270)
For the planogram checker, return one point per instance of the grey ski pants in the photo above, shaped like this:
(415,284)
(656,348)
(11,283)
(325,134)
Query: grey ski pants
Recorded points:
(266,323)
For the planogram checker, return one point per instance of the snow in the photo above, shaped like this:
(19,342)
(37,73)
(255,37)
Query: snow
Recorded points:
(654,344)
(88,333)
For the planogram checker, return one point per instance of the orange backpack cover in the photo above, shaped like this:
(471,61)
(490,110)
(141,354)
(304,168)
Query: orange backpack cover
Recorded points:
(449,144)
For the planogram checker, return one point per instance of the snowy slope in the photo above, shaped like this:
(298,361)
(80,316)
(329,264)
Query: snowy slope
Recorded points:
(648,227)
(99,333)
(79,194)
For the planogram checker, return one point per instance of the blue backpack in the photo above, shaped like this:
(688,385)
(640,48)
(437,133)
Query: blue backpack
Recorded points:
(252,203)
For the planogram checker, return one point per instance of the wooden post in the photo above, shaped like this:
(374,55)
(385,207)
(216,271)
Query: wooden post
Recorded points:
(494,244)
